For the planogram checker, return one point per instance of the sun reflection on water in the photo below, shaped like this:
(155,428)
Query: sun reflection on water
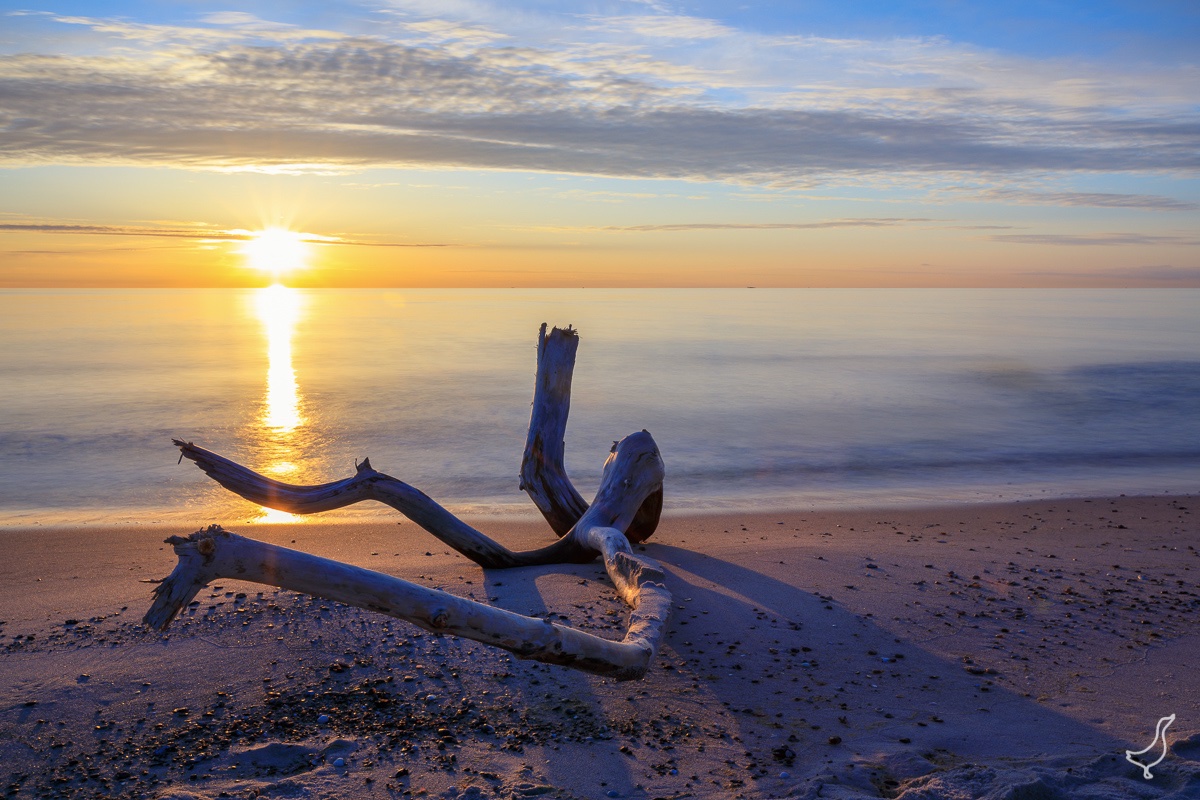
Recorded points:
(279,308)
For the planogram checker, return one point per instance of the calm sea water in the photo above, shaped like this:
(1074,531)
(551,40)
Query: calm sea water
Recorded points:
(758,398)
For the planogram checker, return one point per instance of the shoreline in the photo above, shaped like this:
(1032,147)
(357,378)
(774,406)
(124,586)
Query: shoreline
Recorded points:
(521,512)
(1039,639)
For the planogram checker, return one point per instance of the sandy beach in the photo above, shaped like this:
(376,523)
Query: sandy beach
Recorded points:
(1012,650)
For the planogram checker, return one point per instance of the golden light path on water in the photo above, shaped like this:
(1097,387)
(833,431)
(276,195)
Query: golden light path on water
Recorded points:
(279,309)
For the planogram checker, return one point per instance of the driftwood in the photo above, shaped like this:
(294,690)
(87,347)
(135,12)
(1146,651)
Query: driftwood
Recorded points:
(543,472)
(625,509)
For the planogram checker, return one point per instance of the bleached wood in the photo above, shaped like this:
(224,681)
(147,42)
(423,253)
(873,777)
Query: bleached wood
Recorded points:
(543,468)
(215,554)
(369,484)
(626,508)
(633,471)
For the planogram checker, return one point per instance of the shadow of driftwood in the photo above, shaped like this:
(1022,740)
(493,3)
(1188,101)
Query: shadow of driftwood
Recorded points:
(555,697)
(809,687)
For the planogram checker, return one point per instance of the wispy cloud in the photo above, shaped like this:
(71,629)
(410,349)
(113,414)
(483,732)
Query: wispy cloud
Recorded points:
(880,222)
(76,251)
(243,20)
(1164,274)
(241,93)
(601,196)
(1161,272)
(1096,239)
(1151,202)
(195,233)
(663,26)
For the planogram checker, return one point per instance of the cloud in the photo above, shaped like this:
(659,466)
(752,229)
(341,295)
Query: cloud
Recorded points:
(241,19)
(1152,274)
(442,31)
(1161,272)
(245,94)
(663,26)
(196,233)
(367,243)
(75,251)
(609,196)
(881,222)
(1096,239)
(1152,202)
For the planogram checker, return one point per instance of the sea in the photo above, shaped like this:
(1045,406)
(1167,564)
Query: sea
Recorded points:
(759,399)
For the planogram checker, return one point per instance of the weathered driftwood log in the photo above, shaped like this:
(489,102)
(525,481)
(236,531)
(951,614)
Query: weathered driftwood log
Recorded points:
(543,469)
(626,507)
(215,553)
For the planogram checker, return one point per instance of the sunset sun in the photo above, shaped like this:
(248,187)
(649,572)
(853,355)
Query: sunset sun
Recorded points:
(276,251)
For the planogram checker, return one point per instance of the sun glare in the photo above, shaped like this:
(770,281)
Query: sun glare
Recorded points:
(279,309)
(276,251)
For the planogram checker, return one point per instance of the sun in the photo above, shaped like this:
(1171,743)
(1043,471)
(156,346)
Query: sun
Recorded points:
(276,251)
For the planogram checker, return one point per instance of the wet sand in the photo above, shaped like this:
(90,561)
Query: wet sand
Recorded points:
(961,651)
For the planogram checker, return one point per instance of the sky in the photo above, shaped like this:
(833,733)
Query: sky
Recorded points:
(471,143)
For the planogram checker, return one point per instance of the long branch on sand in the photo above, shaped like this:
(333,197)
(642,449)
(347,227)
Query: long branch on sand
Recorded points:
(625,509)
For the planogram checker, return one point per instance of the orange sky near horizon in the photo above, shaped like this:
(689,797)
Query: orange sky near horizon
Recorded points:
(707,259)
(480,235)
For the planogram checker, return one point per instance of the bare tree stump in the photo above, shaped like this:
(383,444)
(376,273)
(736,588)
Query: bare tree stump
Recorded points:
(626,508)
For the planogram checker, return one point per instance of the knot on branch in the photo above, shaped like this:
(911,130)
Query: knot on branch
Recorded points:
(204,539)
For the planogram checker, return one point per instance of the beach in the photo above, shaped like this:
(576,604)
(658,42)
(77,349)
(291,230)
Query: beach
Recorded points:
(1001,650)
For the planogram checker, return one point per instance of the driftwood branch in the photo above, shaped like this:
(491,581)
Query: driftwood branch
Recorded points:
(626,509)
(368,484)
(543,468)
(543,471)
(215,553)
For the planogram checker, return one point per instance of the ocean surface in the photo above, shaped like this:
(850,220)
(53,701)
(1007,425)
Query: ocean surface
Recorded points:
(759,399)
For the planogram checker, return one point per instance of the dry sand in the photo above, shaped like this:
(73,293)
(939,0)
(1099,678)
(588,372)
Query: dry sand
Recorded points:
(1006,651)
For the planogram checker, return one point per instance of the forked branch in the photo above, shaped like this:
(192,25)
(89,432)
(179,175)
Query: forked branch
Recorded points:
(626,509)
(543,468)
